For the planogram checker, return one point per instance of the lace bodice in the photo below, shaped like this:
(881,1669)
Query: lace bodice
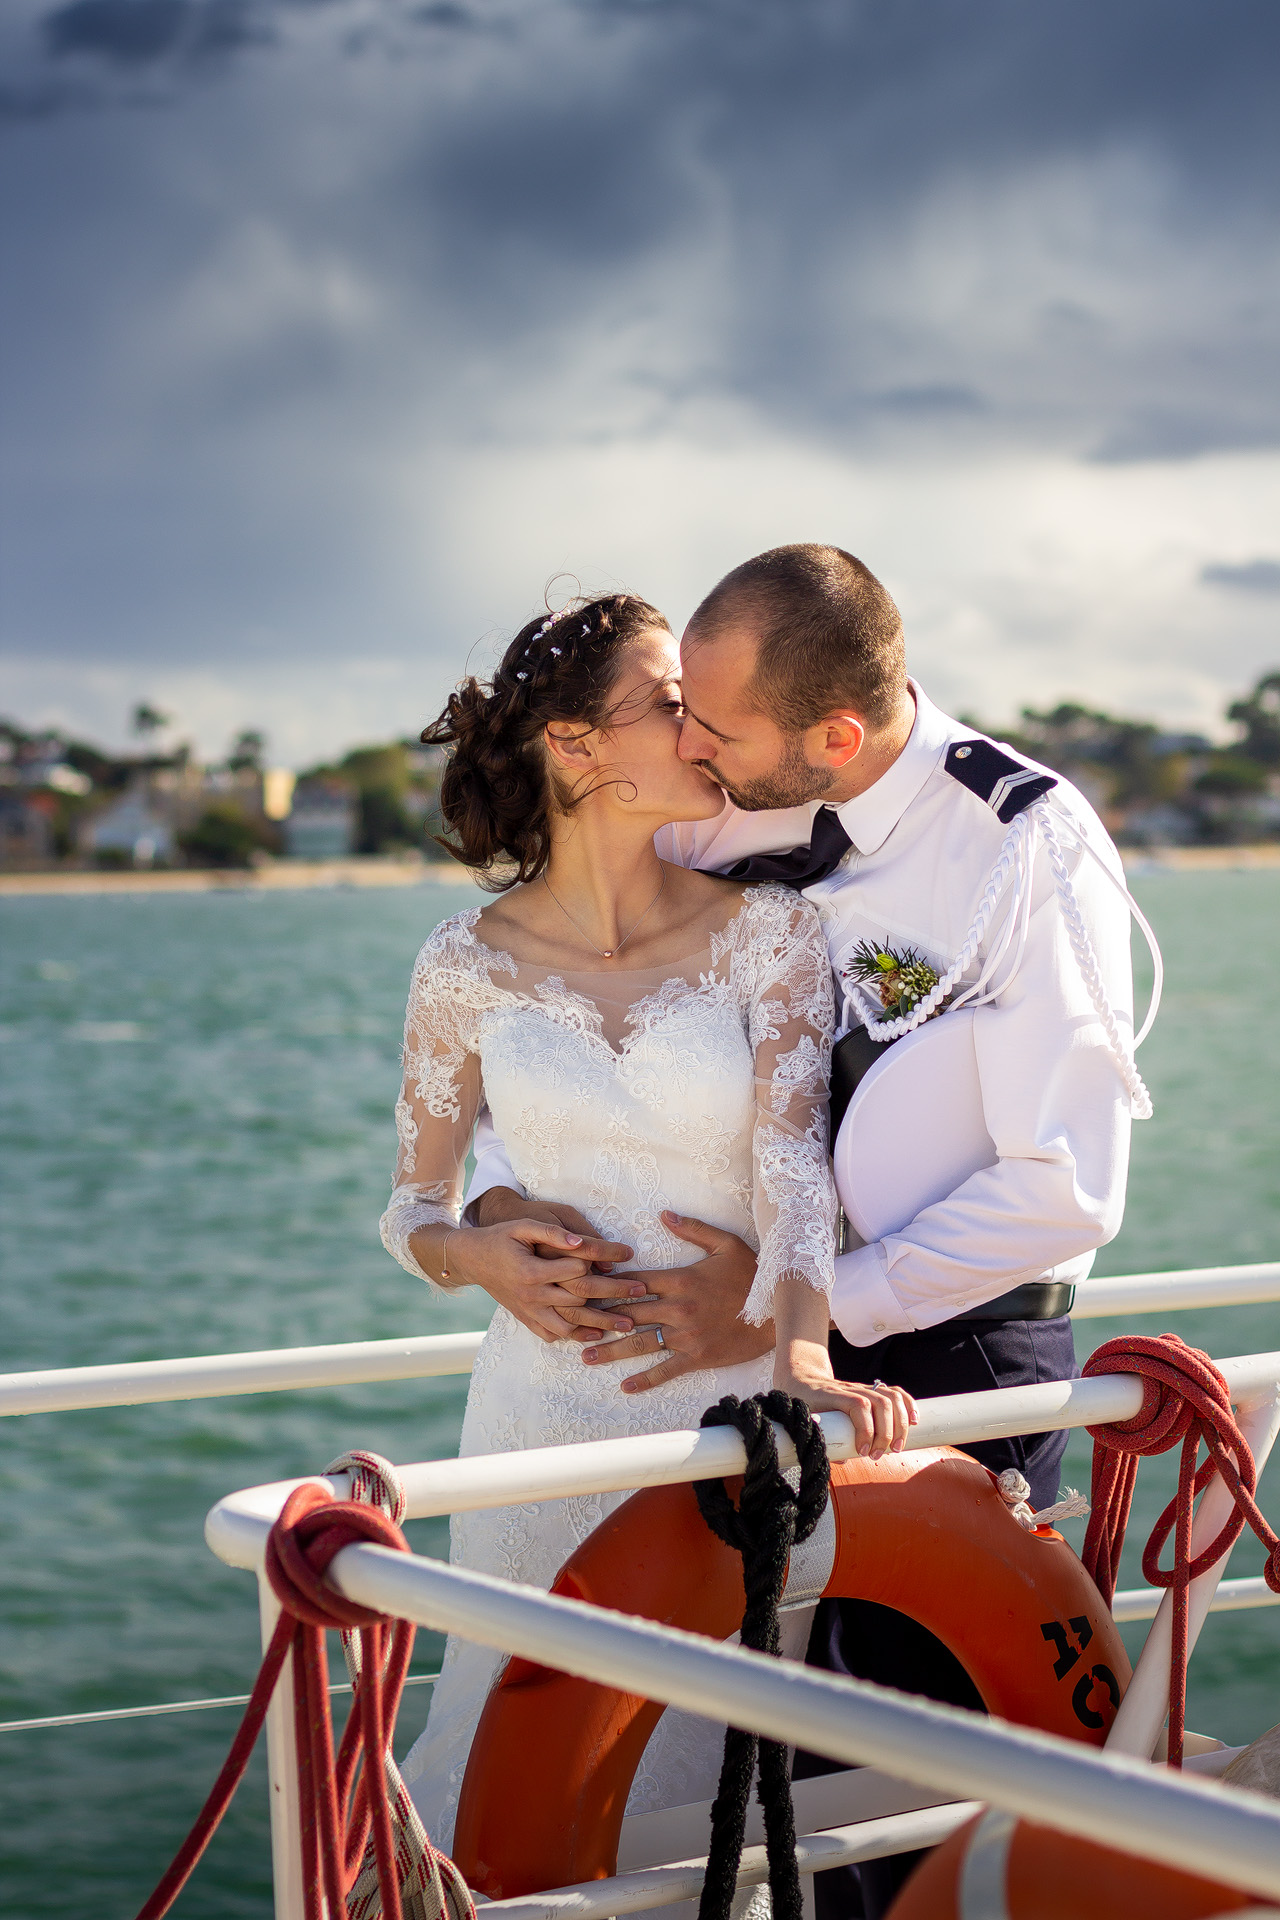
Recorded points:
(699,1087)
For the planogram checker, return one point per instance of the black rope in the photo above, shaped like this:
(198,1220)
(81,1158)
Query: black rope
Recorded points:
(769,1519)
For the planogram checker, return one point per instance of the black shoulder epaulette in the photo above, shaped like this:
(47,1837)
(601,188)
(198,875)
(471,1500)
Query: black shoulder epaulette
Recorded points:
(1002,783)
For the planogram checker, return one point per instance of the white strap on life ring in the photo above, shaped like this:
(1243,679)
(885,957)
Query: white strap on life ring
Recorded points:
(983,1893)
(811,1561)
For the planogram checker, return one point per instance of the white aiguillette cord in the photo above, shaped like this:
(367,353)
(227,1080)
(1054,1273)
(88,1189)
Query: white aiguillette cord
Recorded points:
(1017,854)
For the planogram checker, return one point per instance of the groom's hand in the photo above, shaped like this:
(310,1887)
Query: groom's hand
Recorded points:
(697,1309)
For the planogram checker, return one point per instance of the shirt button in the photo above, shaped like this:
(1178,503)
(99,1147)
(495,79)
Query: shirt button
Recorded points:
(877,1326)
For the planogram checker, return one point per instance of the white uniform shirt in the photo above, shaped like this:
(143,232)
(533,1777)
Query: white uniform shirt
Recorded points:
(1054,1102)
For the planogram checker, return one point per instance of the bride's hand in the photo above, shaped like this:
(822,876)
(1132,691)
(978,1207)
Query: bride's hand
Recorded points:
(882,1416)
(500,1204)
(541,1273)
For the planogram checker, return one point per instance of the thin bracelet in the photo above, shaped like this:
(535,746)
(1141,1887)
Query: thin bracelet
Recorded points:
(444,1256)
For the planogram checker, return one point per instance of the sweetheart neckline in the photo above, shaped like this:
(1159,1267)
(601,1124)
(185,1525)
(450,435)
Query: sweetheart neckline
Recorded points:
(591,1030)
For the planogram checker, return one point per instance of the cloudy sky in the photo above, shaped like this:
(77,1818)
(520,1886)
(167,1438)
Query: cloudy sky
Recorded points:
(336,328)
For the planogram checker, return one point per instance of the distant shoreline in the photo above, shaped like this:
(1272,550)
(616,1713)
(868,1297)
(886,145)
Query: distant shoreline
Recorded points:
(300,875)
(1265,857)
(275,875)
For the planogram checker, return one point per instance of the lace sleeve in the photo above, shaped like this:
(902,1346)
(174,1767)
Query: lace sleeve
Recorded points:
(440,1095)
(791,1019)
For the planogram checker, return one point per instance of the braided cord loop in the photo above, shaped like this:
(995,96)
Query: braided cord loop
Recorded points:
(1186,1401)
(339,1815)
(1087,961)
(1016,856)
(1011,850)
(769,1519)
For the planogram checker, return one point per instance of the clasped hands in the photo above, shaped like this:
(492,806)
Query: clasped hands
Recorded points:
(544,1262)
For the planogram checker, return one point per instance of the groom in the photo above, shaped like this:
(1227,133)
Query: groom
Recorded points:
(844,780)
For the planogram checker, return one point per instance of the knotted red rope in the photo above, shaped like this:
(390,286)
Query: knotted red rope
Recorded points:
(335,1820)
(1184,1398)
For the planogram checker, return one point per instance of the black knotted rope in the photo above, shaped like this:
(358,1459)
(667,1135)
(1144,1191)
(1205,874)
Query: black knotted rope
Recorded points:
(769,1519)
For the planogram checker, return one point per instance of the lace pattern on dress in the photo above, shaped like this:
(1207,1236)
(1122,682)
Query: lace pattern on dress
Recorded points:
(406,1212)
(712,1102)
(787,978)
(770,978)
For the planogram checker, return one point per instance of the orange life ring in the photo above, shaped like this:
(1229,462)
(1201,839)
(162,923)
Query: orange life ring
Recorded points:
(1045,1875)
(927,1533)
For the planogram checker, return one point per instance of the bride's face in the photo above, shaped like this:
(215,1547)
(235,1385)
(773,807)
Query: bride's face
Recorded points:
(633,764)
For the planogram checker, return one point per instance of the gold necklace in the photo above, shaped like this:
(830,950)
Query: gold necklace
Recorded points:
(606,953)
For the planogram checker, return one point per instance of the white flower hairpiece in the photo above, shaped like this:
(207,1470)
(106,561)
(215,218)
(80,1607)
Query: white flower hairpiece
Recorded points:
(546,627)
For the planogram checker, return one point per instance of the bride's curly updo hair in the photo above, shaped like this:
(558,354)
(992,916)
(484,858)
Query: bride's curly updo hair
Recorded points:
(497,795)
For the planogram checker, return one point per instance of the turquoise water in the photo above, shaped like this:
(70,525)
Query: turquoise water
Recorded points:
(195,1128)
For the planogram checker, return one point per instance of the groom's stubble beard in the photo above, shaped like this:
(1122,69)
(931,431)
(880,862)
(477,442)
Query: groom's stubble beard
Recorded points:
(793,782)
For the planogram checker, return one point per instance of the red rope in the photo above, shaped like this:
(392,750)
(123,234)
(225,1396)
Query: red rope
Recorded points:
(335,1820)
(1184,1398)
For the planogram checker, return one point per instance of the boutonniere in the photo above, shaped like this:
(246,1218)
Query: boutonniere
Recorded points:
(902,980)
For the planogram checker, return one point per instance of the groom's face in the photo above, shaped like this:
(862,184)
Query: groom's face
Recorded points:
(758,763)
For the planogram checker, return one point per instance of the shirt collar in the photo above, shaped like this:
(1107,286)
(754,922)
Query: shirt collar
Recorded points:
(870,817)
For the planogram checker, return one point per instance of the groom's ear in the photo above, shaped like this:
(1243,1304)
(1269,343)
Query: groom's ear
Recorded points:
(837,739)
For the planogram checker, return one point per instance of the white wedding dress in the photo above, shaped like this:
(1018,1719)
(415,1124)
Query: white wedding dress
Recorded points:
(698,1087)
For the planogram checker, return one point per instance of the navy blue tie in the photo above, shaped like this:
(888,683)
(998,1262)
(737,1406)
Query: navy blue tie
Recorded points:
(802,866)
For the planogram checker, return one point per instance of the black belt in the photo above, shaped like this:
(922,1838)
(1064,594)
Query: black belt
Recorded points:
(1037,1300)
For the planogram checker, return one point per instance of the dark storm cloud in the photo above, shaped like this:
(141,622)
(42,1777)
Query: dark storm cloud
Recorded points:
(444,14)
(1247,576)
(520,195)
(932,402)
(808,141)
(138,33)
(344,232)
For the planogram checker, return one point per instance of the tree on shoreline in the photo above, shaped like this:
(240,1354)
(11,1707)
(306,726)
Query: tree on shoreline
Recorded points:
(1151,784)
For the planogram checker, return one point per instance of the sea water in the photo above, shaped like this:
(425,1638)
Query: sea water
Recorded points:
(197,1142)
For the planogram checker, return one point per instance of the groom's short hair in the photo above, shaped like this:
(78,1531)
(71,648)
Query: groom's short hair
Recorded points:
(829,634)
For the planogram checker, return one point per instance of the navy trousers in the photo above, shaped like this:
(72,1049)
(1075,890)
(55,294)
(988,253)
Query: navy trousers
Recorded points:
(876,1643)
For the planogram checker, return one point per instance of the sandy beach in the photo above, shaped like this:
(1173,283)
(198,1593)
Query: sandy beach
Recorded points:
(274,874)
(374,872)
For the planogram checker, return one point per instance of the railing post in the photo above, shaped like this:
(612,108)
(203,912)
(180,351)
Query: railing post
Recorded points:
(1137,1726)
(282,1775)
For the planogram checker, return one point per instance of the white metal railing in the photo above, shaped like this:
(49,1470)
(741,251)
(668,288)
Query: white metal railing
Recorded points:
(291,1369)
(1130,1603)
(238,1526)
(1233,1596)
(218,1704)
(134,1383)
(682,1879)
(1179,1291)
(1175,1819)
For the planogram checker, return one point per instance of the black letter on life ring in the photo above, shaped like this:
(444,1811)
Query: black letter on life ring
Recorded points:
(1067,1654)
(1084,1713)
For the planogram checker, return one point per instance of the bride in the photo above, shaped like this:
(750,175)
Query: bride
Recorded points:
(652,1042)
